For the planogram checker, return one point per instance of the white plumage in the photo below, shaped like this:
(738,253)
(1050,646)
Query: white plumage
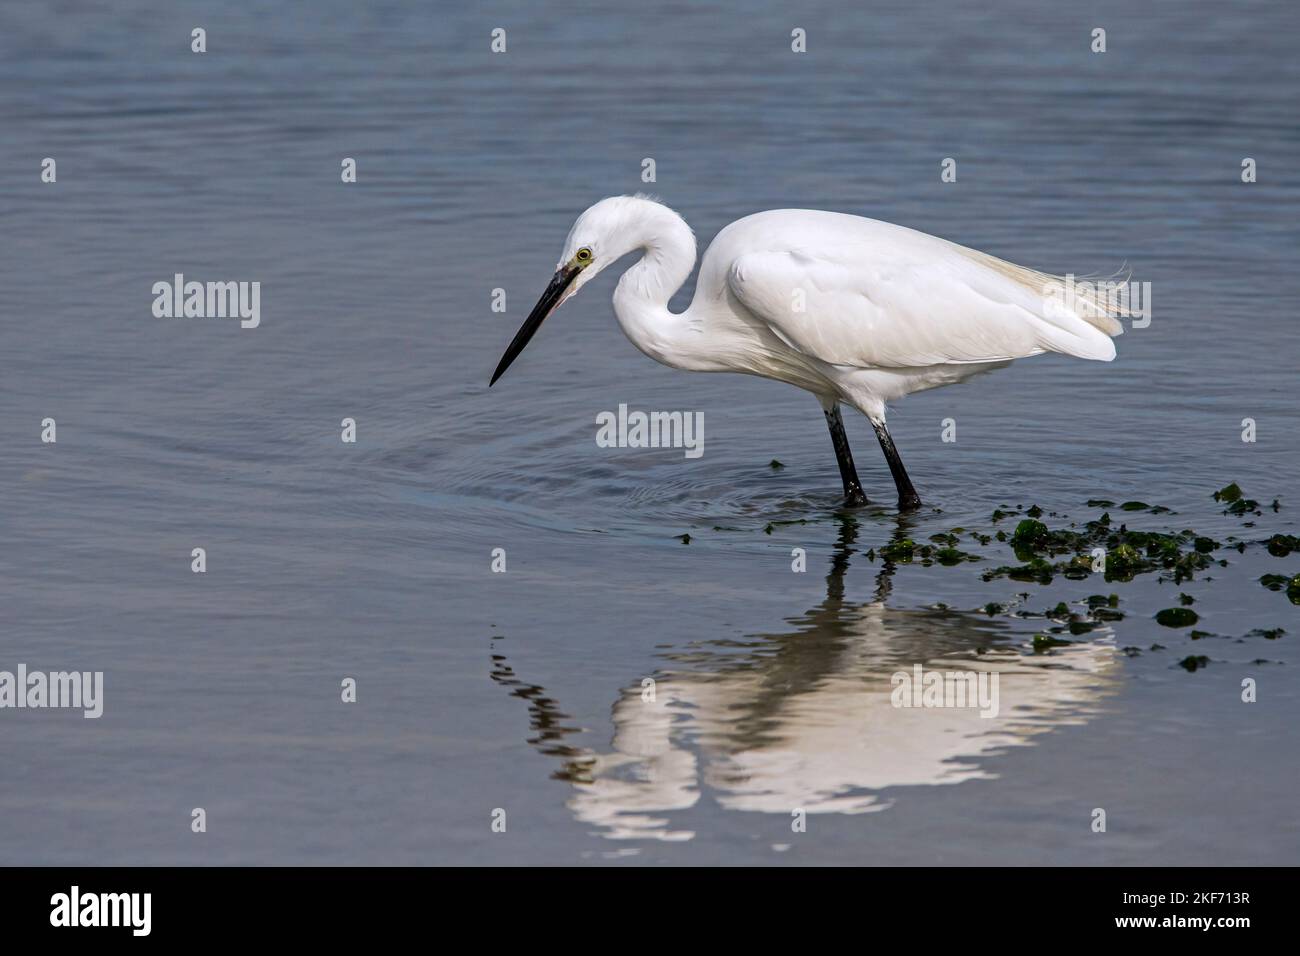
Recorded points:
(852,310)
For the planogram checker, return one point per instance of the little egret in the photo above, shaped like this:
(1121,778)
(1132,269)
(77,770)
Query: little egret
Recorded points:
(853,310)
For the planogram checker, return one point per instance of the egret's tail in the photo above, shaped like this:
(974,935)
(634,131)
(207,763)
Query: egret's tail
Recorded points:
(1099,302)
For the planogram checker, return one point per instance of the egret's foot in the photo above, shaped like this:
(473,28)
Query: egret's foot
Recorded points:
(909,502)
(854,498)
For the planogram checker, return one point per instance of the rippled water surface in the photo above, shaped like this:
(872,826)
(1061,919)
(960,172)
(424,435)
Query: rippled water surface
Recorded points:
(526,691)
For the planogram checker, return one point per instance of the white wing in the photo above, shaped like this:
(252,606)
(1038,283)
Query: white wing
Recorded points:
(877,295)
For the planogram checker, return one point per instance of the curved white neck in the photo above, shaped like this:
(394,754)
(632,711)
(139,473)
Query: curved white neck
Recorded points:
(641,298)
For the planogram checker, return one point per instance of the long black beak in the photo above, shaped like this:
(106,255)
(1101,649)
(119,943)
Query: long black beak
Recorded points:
(544,307)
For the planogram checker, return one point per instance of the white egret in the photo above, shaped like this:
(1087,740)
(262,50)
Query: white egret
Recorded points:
(853,310)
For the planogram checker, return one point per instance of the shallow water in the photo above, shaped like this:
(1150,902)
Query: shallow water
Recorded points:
(523,691)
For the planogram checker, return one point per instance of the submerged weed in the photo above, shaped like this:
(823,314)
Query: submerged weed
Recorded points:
(1176,617)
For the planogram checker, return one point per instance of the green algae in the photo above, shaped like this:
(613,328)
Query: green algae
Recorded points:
(1030,534)
(905,551)
(1045,642)
(951,556)
(1049,545)
(1280,545)
(902,550)
(1037,570)
(1280,582)
(1238,504)
(1127,553)
(1177,617)
(1228,493)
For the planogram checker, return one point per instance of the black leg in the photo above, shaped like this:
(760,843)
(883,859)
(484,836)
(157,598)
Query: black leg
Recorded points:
(848,474)
(907,496)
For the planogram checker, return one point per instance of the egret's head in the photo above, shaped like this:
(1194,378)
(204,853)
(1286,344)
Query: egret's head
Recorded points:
(602,235)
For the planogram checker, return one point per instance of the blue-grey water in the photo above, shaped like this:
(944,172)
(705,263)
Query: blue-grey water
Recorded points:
(518,696)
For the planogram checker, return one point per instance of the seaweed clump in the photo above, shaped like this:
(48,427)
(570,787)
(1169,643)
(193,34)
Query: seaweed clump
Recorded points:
(1237,503)
(1176,617)
(1280,582)
(1128,553)
(905,551)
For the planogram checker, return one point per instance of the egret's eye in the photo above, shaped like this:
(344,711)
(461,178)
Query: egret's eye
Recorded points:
(584,255)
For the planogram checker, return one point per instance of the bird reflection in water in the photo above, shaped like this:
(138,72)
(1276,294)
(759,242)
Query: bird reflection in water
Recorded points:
(805,718)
